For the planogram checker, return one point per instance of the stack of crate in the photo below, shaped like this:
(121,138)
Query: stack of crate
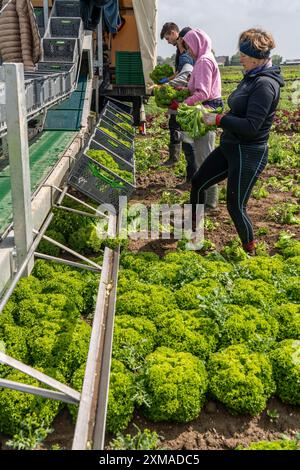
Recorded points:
(62,45)
(114,135)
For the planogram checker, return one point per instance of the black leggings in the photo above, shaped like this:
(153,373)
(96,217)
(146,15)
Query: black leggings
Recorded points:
(241,165)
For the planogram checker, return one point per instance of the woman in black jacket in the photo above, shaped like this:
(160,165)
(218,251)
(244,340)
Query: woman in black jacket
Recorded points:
(243,151)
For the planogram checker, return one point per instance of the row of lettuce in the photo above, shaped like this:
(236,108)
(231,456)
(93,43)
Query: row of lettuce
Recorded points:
(190,327)
(187,328)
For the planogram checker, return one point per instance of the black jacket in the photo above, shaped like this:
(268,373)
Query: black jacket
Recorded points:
(252,107)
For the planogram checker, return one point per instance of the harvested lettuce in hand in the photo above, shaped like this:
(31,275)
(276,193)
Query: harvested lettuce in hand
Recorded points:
(164,95)
(190,119)
(161,71)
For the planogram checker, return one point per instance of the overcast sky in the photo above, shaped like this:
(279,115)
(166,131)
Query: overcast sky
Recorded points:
(223,20)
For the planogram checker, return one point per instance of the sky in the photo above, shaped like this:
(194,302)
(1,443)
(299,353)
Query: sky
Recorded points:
(224,20)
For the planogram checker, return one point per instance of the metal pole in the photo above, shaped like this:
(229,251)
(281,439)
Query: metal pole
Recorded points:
(41,392)
(16,118)
(65,261)
(86,419)
(99,60)
(68,250)
(46,13)
(102,400)
(81,202)
(30,254)
(40,376)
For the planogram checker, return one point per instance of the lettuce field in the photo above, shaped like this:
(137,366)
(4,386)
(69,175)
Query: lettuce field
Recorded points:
(206,346)
(210,341)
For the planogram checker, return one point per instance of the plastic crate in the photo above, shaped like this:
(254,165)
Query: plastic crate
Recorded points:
(42,88)
(65,27)
(99,183)
(60,50)
(30,95)
(118,114)
(129,68)
(121,107)
(123,164)
(42,31)
(56,84)
(119,133)
(70,8)
(113,145)
(66,82)
(129,136)
(114,119)
(69,68)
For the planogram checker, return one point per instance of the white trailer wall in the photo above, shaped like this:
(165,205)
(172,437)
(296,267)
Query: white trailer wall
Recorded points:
(145,12)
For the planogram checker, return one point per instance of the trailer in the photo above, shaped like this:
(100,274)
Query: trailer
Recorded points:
(124,58)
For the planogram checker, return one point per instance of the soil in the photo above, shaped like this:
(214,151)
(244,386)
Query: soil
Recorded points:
(151,187)
(217,429)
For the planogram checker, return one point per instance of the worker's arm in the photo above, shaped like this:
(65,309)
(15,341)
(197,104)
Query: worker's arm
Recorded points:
(181,79)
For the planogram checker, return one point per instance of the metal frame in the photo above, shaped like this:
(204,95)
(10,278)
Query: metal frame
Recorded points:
(18,152)
(35,109)
(35,112)
(102,400)
(46,12)
(66,394)
(99,59)
(90,425)
(68,250)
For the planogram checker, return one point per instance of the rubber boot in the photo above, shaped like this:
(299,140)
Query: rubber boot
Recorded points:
(174,155)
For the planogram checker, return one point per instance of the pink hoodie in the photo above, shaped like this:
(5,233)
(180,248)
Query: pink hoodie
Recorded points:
(205,81)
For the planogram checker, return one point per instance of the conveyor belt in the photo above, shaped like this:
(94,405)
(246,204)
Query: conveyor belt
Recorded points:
(67,115)
(44,152)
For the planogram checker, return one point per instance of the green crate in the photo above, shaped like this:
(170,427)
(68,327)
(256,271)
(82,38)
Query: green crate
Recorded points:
(129,68)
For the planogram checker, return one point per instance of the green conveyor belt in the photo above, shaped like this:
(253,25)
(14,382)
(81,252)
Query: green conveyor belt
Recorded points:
(44,152)
(67,116)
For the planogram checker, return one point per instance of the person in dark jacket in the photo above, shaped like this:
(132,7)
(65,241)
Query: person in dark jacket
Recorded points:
(90,11)
(243,151)
(170,32)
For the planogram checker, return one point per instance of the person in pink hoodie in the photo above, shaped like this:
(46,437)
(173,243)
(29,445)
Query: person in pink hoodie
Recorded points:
(205,87)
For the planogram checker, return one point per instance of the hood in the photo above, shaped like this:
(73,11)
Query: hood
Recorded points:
(199,42)
(272,72)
